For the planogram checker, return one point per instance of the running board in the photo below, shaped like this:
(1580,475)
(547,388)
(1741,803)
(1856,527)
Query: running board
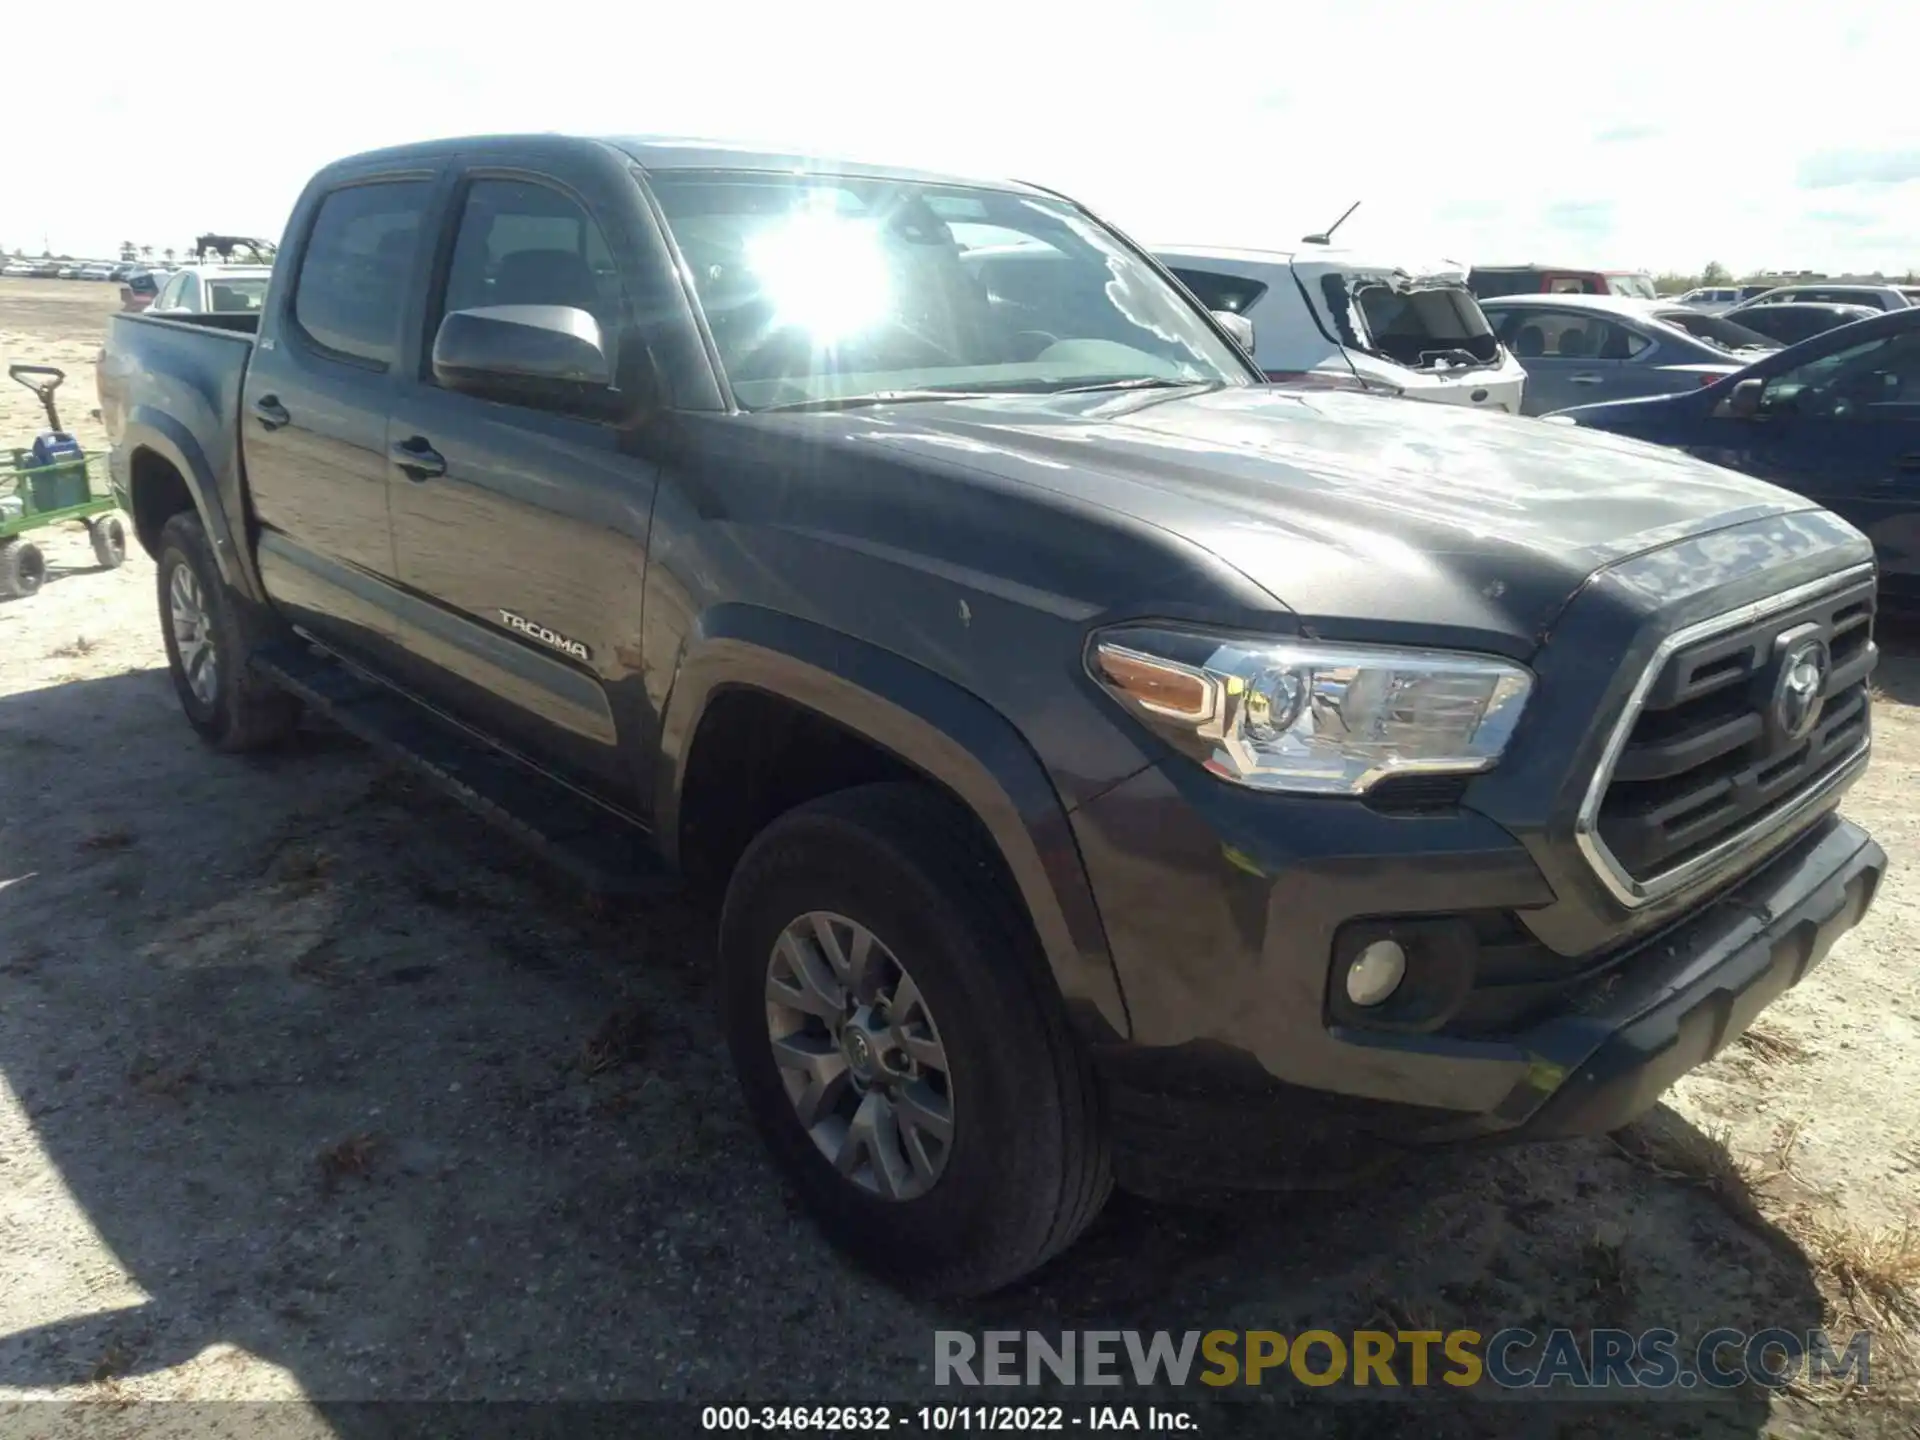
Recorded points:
(607,854)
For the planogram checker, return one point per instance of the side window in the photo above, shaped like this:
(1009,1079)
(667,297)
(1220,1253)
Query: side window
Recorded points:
(353,276)
(169,296)
(1567,285)
(526,244)
(1877,380)
(1570,335)
(189,299)
(1221,292)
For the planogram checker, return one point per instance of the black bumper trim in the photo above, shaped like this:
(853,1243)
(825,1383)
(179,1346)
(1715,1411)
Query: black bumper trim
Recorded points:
(1690,1025)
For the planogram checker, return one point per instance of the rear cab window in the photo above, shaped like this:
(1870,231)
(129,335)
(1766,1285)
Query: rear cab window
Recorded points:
(236,294)
(359,256)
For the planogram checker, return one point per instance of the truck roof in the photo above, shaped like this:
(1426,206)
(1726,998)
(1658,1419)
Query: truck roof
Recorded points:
(671,152)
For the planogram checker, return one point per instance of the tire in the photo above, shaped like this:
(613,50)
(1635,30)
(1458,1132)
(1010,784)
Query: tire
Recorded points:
(23,569)
(232,708)
(1026,1168)
(109,539)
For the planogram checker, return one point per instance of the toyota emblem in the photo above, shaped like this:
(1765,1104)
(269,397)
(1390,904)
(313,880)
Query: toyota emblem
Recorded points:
(1797,691)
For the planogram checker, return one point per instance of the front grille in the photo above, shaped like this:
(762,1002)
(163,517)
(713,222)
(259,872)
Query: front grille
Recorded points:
(1707,752)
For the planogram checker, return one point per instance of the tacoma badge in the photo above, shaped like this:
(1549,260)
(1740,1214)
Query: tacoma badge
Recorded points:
(545,636)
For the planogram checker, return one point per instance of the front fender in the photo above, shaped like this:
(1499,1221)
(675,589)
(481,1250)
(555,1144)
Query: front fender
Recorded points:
(149,428)
(947,733)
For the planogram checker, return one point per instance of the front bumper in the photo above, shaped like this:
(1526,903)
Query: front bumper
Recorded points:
(1239,1074)
(1700,991)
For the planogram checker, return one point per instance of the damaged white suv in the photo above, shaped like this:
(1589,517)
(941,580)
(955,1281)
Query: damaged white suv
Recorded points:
(1329,317)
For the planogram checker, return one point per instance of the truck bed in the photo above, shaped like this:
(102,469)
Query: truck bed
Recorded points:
(173,383)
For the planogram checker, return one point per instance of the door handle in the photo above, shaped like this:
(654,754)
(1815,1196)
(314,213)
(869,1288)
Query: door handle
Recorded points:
(270,412)
(1588,379)
(417,458)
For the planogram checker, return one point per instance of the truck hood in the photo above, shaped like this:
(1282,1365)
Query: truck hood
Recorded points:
(1360,511)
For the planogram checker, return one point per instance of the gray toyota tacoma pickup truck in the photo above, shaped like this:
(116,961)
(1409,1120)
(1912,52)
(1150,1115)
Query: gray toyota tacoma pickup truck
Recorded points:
(1113,766)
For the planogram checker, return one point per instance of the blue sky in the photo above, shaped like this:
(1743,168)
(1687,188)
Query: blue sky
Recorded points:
(1656,136)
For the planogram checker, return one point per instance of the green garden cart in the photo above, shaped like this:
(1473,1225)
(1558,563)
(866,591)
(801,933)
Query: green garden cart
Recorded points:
(49,483)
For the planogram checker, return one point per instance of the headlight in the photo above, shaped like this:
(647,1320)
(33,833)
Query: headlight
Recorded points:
(1313,717)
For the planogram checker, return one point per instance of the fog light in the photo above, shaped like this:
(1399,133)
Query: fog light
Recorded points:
(1376,972)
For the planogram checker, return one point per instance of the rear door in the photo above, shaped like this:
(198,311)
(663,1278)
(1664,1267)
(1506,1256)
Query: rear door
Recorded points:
(520,529)
(314,410)
(1844,429)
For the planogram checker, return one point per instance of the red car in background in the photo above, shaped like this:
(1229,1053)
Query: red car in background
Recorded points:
(1487,281)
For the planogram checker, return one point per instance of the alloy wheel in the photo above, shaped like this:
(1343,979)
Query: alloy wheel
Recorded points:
(860,1055)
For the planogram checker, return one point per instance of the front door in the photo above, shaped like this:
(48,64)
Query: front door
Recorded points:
(1844,430)
(521,531)
(314,411)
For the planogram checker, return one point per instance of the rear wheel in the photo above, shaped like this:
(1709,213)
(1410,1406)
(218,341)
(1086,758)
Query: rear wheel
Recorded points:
(900,1044)
(212,635)
(23,569)
(109,539)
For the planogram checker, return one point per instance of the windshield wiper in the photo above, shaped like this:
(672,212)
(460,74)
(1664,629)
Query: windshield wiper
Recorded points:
(1137,382)
(879,397)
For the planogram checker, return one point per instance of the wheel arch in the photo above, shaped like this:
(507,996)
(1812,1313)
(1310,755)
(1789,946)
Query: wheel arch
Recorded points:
(167,472)
(932,730)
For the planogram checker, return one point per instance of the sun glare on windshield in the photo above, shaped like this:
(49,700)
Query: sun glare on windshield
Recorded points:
(824,274)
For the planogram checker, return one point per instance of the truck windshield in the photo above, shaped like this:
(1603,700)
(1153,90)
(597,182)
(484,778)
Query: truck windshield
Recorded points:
(831,288)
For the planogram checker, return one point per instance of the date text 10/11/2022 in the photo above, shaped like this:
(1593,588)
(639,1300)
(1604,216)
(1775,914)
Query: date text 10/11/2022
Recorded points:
(945,1418)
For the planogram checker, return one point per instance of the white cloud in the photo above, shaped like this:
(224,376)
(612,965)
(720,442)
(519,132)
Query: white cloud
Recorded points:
(1641,135)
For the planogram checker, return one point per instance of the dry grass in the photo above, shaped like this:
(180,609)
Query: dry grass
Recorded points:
(1771,1046)
(1702,1159)
(74,649)
(1871,1277)
(1877,1272)
(111,1364)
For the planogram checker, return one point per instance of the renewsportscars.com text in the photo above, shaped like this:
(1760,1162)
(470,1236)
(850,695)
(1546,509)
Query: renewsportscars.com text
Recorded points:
(1510,1358)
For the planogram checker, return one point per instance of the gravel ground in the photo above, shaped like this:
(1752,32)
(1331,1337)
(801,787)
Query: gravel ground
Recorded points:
(314,1089)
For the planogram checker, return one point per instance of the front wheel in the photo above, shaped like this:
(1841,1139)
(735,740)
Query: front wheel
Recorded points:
(211,637)
(901,1047)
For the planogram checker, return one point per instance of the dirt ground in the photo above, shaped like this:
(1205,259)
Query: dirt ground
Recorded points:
(311,1088)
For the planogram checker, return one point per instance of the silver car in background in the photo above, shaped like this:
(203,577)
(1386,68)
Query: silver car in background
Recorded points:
(1874,297)
(1579,349)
